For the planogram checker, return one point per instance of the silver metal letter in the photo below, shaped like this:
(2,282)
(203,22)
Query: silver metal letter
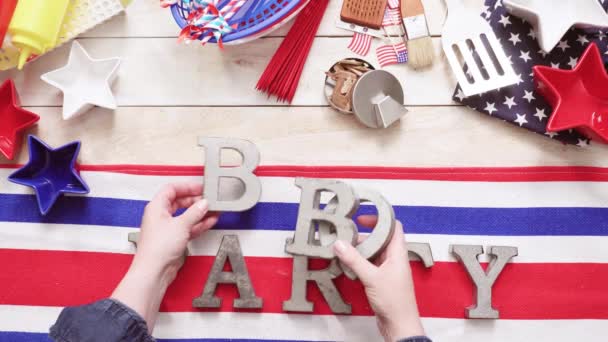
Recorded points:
(324,280)
(304,242)
(467,255)
(421,251)
(229,249)
(133,237)
(244,173)
(380,236)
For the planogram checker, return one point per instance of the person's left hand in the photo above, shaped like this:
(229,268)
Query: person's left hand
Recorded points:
(163,238)
(161,247)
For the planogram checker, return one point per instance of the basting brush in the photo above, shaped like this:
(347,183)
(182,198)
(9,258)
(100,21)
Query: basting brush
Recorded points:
(419,44)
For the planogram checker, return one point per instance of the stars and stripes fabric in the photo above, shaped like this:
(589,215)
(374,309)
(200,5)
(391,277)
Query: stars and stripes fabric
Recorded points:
(520,104)
(360,43)
(554,290)
(391,17)
(391,54)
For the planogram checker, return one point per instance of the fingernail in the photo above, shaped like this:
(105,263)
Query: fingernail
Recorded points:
(202,204)
(340,247)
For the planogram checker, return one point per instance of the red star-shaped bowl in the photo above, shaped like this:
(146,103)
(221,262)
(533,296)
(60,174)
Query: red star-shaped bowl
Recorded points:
(13,119)
(579,97)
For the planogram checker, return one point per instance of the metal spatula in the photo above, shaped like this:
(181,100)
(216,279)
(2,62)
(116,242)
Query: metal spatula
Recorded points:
(469,40)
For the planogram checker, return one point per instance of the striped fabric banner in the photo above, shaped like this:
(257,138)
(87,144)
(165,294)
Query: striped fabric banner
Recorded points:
(555,289)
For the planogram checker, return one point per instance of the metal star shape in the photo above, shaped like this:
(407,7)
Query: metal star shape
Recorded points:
(13,120)
(578,96)
(50,172)
(552,19)
(84,81)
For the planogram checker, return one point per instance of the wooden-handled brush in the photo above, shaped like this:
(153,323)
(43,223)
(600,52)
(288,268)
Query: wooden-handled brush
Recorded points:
(419,44)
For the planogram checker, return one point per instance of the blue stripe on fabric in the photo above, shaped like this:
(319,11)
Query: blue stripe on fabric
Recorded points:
(13,336)
(282,216)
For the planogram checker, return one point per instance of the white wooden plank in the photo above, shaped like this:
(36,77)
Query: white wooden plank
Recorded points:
(160,72)
(145,18)
(427,136)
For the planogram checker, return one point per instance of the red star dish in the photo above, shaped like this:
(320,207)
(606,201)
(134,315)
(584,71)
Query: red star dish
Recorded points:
(13,119)
(579,97)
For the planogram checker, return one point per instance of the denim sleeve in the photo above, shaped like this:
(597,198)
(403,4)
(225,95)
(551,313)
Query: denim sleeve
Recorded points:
(107,320)
(416,339)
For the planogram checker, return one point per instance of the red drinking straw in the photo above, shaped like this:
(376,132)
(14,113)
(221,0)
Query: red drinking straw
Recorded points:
(283,72)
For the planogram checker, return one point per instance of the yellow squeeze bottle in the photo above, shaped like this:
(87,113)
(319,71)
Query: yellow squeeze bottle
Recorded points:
(35,26)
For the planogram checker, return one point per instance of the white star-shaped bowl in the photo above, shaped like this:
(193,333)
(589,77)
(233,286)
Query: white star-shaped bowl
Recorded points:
(551,19)
(84,81)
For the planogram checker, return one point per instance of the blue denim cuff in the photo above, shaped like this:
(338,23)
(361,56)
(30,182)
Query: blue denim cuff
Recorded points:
(416,339)
(106,320)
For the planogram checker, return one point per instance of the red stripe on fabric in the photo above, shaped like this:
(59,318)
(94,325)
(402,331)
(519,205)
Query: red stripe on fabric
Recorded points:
(481,174)
(523,291)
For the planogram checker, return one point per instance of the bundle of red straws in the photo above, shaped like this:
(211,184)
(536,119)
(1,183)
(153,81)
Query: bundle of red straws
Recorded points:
(282,74)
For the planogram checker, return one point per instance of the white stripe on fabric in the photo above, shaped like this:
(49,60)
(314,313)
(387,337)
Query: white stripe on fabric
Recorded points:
(269,243)
(323,328)
(397,192)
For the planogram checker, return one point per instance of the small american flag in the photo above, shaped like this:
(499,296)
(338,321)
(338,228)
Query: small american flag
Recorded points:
(391,17)
(393,3)
(360,43)
(391,54)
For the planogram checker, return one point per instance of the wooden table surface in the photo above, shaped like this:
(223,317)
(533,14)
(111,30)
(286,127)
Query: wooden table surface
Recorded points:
(170,93)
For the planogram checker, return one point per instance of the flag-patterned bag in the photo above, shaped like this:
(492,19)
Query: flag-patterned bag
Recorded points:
(554,290)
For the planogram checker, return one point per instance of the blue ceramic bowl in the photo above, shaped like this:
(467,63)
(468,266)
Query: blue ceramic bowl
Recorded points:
(51,172)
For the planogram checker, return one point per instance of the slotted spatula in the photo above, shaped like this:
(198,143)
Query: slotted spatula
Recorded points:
(469,40)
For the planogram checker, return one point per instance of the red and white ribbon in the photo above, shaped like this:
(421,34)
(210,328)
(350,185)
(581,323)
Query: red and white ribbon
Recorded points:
(205,20)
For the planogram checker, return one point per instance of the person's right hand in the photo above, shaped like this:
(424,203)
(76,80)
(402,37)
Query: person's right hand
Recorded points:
(388,284)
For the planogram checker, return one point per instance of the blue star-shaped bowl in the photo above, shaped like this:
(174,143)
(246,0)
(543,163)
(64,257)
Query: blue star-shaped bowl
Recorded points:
(51,172)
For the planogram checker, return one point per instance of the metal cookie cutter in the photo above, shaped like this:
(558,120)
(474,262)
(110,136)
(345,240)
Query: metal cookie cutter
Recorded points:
(378,99)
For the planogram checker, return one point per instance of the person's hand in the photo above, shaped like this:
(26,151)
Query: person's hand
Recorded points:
(163,238)
(388,284)
(161,247)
